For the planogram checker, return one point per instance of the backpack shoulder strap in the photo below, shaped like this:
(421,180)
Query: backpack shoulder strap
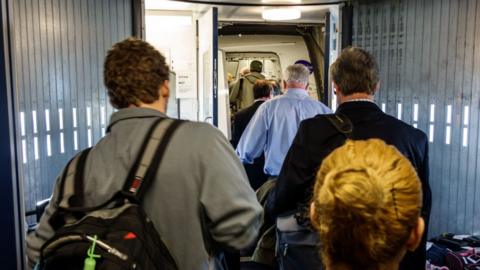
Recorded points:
(342,123)
(150,156)
(240,88)
(71,183)
(71,197)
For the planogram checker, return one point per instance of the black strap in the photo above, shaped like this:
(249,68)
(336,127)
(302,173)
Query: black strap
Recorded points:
(342,123)
(80,160)
(240,87)
(78,187)
(240,90)
(143,180)
(136,163)
(58,219)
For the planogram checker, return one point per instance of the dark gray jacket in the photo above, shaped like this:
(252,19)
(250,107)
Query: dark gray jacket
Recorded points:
(200,200)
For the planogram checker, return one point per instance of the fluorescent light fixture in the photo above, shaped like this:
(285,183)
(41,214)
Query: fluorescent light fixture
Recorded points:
(281,14)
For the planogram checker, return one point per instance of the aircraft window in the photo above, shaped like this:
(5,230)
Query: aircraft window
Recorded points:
(22,123)
(35,147)
(270,69)
(432,120)
(89,133)
(60,118)
(89,124)
(415,112)
(449,114)
(465,137)
(449,121)
(236,61)
(466,112)
(75,140)
(102,115)
(102,119)
(62,143)
(75,134)
(447,137)
(399,111)
(49,146)
(430,133)
(34,117)
(232,67)
(74,115)
(47,119)
(23,133)
(384,107)
(24,151)
(60,125)
(242,64)
(89,117)
(432,113)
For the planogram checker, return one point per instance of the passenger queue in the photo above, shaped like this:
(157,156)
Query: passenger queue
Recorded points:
(343,190)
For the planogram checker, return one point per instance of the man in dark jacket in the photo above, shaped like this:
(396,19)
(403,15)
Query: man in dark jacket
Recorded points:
(262,91)
(356,79)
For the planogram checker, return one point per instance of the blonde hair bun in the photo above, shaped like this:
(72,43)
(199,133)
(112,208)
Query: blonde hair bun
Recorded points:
(367,199)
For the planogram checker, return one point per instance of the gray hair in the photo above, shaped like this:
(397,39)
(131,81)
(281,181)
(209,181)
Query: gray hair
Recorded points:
(297,73)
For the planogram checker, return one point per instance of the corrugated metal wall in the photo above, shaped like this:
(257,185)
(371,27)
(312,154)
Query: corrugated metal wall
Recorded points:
(430,68)
(62,106)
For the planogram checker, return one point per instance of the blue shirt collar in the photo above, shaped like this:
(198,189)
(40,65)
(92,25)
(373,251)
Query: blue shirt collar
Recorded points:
(296,92)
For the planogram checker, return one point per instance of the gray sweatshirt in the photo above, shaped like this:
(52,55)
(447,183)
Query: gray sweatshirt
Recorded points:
(199,201)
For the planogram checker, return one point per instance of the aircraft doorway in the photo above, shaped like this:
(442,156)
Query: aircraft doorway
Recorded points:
(243,34)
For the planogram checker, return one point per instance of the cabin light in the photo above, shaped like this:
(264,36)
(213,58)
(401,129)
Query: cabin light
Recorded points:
(281,14)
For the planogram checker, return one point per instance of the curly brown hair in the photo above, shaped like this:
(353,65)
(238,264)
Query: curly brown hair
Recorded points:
(355,71)
(134,72)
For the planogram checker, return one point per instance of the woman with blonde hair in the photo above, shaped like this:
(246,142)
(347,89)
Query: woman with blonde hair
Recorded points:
(366,207)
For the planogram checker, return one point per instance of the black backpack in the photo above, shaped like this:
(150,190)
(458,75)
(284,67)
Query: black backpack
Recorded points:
(118,231)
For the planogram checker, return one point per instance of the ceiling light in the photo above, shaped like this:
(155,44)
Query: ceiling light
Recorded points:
(282,1)
(281,14)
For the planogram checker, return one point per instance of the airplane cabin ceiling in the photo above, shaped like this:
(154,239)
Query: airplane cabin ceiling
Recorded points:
(264,2)
(310,14)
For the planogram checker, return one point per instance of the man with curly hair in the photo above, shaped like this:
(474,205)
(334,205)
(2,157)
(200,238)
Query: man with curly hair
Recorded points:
(200,201)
